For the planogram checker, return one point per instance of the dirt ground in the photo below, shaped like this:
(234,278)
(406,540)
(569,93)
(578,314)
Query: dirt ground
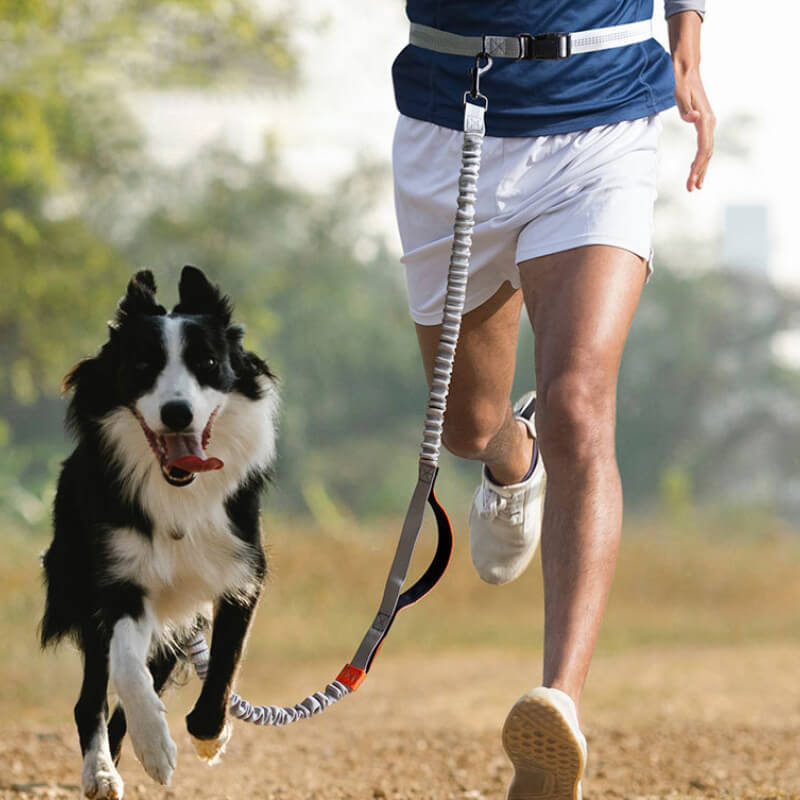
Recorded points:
(661,723)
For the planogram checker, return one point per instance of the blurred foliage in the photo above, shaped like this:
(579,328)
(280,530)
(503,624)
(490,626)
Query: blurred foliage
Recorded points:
(136,43)
(72,161)
(707,412)
(70,153)
(704,402)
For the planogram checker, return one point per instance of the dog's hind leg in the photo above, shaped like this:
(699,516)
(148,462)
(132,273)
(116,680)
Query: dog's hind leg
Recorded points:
(207,723)
(160,666)
(99,779)
(144,711)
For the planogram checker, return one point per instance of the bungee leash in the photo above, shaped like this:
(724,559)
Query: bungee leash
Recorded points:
(394,599)
(524,46)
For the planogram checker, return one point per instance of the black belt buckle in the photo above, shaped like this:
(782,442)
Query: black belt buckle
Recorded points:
(545,46)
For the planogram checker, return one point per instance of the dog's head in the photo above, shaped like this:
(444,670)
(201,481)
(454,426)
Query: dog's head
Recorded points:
(174,372)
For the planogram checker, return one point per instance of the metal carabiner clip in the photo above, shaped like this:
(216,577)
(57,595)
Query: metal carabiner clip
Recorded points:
(475,74)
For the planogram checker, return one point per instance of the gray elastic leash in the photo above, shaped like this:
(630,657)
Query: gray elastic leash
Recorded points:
(240,708)
(353,674)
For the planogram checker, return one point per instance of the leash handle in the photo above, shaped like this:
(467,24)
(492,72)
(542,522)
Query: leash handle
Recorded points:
(393,601)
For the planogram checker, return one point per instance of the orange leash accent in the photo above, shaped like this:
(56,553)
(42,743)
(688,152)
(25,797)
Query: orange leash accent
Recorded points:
(352,677)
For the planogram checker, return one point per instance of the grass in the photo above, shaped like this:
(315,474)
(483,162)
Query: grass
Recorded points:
(698,583)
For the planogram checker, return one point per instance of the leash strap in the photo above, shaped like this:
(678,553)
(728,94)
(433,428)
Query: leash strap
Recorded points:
(394,599)
(353,674)
(525,46)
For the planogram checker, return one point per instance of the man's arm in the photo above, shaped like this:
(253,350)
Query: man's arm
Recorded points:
(693,105)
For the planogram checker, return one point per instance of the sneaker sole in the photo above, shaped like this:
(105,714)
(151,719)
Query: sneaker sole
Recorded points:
(548,760)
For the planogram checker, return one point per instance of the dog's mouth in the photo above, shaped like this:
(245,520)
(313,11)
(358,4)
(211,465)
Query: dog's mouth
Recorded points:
(181,455)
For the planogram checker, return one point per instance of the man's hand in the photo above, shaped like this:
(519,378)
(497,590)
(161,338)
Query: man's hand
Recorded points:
(695,108)
(693,105)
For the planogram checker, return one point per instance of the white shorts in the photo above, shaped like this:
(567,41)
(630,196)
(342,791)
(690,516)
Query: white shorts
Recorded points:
(536,196)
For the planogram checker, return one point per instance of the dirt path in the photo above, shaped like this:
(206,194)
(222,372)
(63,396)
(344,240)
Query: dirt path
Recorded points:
(666,723)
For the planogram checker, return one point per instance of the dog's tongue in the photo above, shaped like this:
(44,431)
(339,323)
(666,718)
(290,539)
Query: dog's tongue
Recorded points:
(185,451)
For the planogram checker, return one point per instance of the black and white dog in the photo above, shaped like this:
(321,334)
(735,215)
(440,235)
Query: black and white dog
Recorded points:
(157,520)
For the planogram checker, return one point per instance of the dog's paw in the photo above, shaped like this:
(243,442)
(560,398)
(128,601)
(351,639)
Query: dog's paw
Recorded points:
(211,750)
(100,781)
(151,741)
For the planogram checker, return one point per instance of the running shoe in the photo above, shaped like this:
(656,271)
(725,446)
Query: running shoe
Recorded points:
(542,738)
(505,522)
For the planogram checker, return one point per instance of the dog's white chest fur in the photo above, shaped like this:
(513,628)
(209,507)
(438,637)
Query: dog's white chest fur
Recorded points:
(193,557)
(182,576)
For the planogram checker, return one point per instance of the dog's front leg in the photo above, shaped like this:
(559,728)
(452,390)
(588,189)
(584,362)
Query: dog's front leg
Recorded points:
(207,722)
(160,665)
(144,711)
(99,779)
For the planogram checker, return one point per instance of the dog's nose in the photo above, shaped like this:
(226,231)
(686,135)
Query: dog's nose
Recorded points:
(176,415)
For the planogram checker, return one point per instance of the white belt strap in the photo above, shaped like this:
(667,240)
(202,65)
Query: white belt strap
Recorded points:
(547,46)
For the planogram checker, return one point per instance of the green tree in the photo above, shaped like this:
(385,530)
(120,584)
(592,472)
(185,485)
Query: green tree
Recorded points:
(72,161)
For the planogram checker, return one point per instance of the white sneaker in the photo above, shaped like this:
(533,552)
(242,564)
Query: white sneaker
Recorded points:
(542,738)
(505,522)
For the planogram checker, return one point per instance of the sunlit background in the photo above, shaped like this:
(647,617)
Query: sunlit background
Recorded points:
(253,140)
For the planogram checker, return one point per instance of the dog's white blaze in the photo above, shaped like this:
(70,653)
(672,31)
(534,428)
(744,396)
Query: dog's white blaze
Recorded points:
(177,382)
(209,560)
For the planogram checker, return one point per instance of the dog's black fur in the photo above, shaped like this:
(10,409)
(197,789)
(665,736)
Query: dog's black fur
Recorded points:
(120,506)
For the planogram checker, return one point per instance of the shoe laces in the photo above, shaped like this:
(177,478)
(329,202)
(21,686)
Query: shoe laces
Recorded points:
(501,506)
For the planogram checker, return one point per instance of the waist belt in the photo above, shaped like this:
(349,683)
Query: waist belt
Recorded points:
(525,46)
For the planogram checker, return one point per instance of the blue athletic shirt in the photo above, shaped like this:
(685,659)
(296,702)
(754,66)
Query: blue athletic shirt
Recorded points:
(533,98)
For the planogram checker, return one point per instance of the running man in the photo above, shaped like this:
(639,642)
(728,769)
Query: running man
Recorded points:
(563,226)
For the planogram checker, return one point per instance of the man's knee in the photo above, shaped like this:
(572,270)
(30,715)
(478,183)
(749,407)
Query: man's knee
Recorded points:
(468,433)
(575,419)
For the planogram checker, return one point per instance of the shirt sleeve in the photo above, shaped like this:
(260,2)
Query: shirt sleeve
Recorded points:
(676,6)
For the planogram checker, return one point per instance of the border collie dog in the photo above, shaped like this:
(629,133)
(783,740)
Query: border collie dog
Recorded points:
(157,521)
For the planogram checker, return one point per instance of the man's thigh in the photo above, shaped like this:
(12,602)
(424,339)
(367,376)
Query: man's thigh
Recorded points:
(581,303)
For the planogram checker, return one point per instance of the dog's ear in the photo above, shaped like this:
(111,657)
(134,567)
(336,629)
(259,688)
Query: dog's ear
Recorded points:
(145,278)
(73,377)
(140,297)
(199,296)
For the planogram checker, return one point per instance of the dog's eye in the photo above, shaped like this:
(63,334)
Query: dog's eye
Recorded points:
(210,363)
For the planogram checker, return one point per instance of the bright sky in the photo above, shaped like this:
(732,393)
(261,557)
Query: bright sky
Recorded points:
(346,113)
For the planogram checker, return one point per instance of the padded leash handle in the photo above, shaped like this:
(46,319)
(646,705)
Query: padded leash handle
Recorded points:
(394,599)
